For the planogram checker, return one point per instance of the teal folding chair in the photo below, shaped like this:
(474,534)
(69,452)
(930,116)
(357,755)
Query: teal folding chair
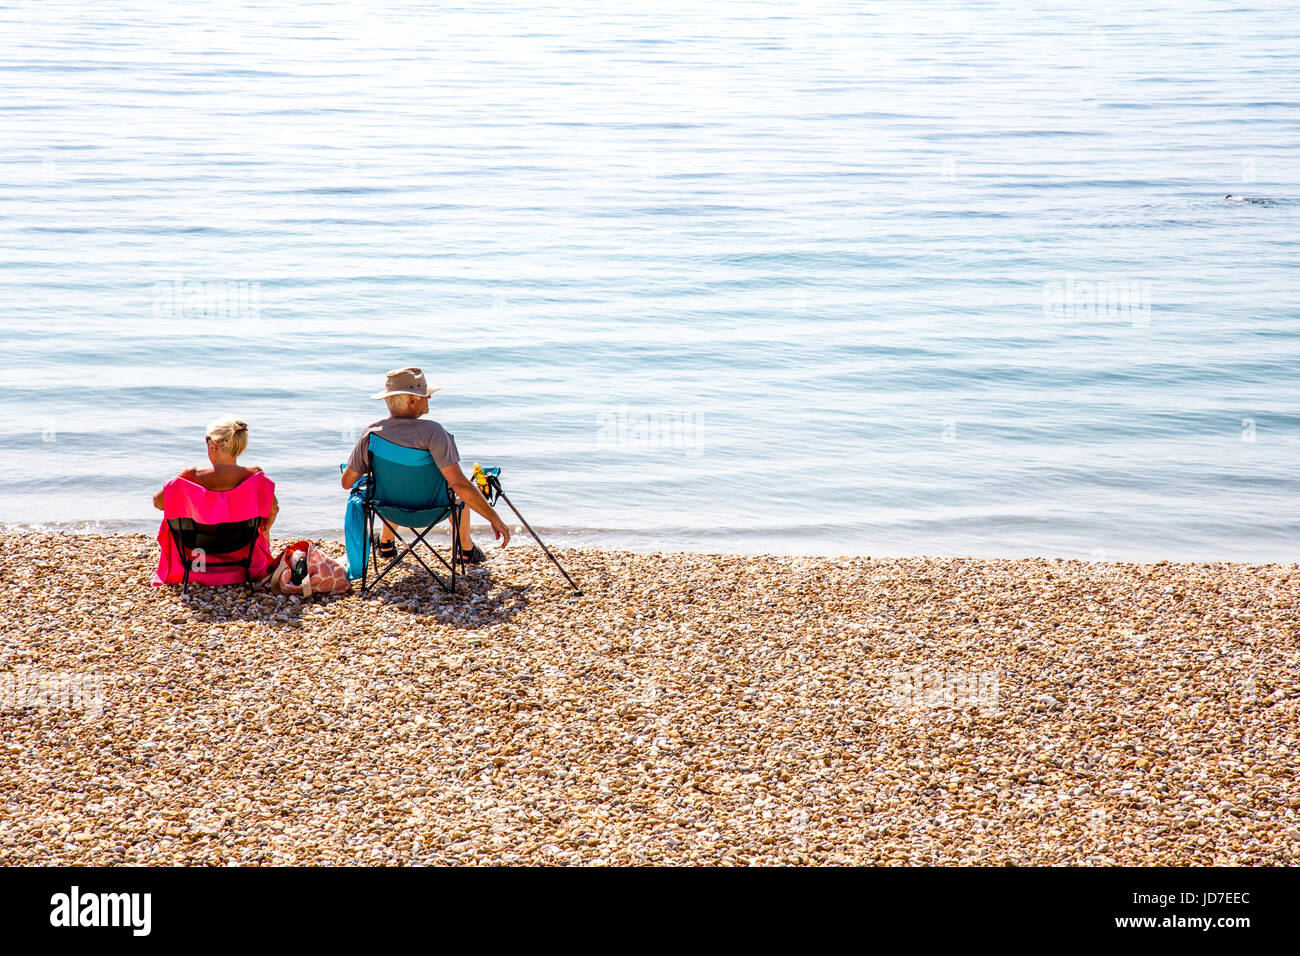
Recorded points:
(407,490)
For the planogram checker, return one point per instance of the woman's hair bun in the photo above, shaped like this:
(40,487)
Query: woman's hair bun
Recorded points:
(229,433)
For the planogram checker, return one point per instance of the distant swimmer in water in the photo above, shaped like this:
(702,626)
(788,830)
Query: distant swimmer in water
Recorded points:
(1263,202)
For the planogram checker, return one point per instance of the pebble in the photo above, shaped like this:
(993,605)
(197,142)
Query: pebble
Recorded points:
(689,708)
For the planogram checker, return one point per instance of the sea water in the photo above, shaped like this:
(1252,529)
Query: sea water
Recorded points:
(833,277)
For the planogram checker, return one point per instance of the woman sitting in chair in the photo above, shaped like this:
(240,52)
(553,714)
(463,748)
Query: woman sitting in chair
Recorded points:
(223,492)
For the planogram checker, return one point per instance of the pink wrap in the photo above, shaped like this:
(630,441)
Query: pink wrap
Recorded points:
(251,498)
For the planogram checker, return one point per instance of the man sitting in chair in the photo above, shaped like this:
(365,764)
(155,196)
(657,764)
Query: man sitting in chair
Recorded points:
(407,395)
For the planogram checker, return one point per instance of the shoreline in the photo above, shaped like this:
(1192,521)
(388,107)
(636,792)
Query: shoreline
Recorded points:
(690,709)
(557,537)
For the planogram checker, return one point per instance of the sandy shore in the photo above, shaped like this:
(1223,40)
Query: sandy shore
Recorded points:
(688,709)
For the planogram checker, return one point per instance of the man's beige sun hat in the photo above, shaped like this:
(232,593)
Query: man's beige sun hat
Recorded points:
(406,381)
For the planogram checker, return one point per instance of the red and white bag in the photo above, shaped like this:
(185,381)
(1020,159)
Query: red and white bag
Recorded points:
(324,574)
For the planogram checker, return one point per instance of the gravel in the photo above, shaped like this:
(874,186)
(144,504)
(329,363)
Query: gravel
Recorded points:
(690,709)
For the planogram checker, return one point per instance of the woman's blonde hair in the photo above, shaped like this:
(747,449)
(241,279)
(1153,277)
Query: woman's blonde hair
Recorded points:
(230,434)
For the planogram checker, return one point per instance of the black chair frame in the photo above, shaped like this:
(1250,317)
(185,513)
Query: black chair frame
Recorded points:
(226,538)
(455,506)
(457,555)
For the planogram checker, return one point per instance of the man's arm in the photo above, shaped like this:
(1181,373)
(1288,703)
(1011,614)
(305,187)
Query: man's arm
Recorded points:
(458,483)
(358,456)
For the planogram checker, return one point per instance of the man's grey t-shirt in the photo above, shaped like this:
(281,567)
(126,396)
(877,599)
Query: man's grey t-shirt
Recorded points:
(411,432)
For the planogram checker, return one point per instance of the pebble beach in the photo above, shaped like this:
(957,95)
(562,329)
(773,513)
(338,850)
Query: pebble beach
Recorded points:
(687,709)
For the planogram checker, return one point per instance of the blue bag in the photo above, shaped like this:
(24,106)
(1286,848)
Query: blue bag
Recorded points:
(354,529)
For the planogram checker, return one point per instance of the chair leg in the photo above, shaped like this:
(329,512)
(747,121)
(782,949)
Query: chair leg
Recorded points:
(392,562)
(369,552)
(459,515)
(456,554)
(410,549)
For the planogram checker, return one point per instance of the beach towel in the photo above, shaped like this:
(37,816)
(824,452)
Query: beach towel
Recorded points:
(251,498)
(354,529)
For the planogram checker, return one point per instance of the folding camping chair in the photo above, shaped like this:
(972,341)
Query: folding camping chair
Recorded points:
(406,489)
(195,541)
(211,536)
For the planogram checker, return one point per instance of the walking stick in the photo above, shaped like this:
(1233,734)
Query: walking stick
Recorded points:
(496,486)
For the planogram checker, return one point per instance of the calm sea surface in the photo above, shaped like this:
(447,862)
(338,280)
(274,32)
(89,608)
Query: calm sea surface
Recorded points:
(833,278)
